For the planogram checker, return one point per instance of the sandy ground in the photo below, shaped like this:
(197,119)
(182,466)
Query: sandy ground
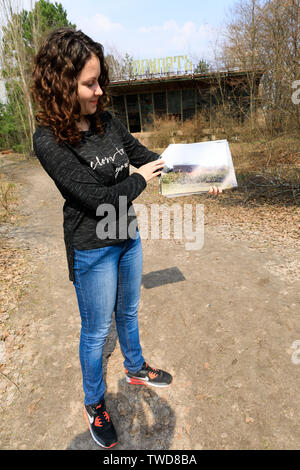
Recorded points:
(223,320)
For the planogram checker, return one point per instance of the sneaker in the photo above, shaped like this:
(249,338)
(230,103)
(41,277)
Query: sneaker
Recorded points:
(100,424)
(149,376)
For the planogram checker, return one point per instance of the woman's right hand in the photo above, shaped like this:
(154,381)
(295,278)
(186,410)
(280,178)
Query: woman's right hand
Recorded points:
(150,170)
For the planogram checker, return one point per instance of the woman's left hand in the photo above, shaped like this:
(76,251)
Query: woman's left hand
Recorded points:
(214,190)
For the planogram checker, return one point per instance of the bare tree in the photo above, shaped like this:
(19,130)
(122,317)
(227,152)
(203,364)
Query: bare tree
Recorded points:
(242,46)
(120,66)
(265,34)
(114,60)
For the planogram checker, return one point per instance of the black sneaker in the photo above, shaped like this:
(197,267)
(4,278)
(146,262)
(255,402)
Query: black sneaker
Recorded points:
(149,376)
(100,424)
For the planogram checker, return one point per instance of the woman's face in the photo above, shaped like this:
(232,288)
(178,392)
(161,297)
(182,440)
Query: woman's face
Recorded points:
(89,89)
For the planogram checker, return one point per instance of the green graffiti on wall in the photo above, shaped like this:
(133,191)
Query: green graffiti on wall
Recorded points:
(162,65)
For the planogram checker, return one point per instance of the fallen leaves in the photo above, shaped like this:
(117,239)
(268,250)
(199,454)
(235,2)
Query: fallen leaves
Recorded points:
(201,396)
(13,266)
(34,406)
(249,420)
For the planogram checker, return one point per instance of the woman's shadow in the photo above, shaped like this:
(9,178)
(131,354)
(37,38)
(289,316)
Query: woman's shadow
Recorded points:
(142,418)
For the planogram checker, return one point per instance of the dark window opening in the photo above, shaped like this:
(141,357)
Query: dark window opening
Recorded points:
(174,104)
(146,110)
(188,103)
(160,105)
(119,109)
(133,113)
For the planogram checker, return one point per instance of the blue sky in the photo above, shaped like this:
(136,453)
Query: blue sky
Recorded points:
(152,29)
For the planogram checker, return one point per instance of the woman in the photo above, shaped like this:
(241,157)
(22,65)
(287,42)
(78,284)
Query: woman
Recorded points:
(87,152)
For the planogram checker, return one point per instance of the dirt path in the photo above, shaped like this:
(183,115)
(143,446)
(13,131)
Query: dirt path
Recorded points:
(225,331)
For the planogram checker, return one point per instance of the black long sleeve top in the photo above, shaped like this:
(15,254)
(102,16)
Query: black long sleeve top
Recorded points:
(90,175)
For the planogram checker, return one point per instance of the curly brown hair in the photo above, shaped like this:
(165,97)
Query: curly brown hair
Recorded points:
(57,65)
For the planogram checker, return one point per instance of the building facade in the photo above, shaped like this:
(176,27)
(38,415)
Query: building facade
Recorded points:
(137,102)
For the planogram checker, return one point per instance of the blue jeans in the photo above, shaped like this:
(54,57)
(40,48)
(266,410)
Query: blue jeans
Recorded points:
(108,280)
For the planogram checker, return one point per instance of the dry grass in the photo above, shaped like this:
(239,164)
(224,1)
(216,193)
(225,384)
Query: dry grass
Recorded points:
(269,172)
(8,196)
(13,268)
(171,131)
(204,127)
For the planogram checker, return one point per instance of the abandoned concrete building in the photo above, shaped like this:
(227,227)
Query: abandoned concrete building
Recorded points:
(137,102)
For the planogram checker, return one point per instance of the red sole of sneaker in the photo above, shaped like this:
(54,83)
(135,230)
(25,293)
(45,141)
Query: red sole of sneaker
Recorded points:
(97,442)
(133,381)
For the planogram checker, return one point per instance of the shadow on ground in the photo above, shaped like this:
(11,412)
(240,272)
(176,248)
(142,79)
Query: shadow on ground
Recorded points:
(161,277)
